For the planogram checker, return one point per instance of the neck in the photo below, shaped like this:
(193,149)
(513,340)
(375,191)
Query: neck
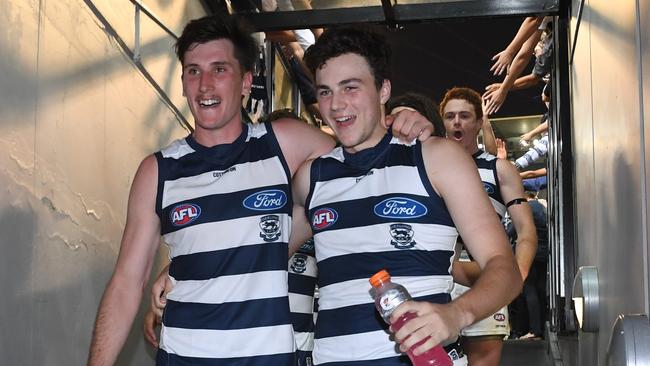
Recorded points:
(219,136)
(372,141)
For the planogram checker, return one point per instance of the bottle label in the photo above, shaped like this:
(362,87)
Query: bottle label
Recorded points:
(391,299)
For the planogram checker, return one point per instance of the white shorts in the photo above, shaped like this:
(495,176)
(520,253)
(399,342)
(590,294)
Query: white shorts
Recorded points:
(497,324)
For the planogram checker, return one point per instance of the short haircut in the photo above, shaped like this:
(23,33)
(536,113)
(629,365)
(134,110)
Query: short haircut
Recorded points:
(337,41)
(213,27)
(282,113)
(424,105)
(466,94)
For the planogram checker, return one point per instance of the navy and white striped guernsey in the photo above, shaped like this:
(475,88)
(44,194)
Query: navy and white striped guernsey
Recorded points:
(302,288)
(372,210)
(487,169)
(225,213)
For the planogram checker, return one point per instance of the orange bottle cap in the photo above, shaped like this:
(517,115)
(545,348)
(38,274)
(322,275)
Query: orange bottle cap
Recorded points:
(380,277)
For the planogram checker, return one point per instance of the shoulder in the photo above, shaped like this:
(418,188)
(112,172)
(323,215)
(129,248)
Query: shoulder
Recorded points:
(443,152)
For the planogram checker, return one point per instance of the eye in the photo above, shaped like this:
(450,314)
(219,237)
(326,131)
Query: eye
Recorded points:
(324,92)
(192,71)
(350,88)
(219,69)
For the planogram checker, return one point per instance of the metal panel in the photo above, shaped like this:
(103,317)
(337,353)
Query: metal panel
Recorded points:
(300,19)
(644,50)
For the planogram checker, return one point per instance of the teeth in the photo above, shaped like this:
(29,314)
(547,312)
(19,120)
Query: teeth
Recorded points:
(208,102)
(343,119)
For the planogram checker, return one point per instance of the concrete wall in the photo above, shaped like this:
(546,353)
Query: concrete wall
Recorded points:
(76,118)
(609,96)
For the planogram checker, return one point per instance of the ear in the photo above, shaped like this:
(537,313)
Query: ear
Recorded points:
(384,91)
(247,82)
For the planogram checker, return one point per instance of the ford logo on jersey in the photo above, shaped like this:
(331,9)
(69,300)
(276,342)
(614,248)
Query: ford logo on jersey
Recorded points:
(268,200)
(489,188)
(324,217)
(184,213)
(400,208)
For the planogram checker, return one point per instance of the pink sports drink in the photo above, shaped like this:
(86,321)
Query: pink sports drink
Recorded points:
(388,296)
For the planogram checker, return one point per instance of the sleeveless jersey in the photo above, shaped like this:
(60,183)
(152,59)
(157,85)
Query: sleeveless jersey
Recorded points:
(302,286)
(487,169)
(372,210)
(225,215)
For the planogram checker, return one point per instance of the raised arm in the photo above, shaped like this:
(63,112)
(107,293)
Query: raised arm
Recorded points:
(504,58)
(123,293)
(489,140)
(512,192)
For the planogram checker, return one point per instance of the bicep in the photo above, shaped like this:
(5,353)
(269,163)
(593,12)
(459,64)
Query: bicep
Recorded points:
(300,142)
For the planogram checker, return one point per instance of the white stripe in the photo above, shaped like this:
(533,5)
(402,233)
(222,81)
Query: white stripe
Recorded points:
(364,239)
(228,343)
(223,289)
(345,189)
(255,130)
(244,176)
(358,347)
(304,341)
(177,149)
(356,292)
(487,175)
(223,235)
(302,304)
(499,207)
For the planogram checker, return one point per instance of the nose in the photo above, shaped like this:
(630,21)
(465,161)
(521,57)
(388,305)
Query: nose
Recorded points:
(205,82)
(337,102)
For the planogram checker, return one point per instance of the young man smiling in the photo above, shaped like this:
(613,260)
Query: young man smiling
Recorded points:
(356,198)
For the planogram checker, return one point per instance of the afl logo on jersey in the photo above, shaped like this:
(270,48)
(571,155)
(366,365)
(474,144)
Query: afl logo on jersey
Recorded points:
(269,200)
(184,213)
(324,217)
(489,188)
(402,235)
(400,208)
(499,317)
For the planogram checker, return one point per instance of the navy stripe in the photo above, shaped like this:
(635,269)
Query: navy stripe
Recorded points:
(233,261)
(360,212)
(302,322)
(398,263)
(227,316)
(225,206)
(301,284)
(391,361)
(303,358)
(361,318)
(169,359)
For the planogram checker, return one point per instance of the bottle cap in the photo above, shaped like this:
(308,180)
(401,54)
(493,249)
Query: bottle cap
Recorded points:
(380,277)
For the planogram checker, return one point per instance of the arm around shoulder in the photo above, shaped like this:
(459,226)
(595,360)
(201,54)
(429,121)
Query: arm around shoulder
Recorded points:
(140,240)
(300,228)
(300,141)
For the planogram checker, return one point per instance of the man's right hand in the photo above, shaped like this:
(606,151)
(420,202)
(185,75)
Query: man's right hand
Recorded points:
(151,321)
(161,287)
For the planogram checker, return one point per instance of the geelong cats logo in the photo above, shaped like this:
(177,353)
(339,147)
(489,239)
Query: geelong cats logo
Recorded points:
(402,235)
(299,263)
(270,225)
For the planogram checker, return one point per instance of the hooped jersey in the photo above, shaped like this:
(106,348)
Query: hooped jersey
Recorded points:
(374,210)
(225,215)
(487,169)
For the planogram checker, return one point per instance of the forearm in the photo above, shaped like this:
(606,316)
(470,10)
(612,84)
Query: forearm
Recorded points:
(117,310)
(488,136)
(525,82)
(497,285)
(525,252)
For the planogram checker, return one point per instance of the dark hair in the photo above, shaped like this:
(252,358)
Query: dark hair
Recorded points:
(215,27)
(336,41)
(467,94)
(424,105)
(282,113)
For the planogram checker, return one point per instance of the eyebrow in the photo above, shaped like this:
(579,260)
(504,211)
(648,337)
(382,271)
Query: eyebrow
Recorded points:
(340,83)
(215,63)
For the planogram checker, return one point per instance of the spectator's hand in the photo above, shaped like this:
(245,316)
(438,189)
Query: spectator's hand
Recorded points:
(494,97)
(440,322)
(151,321)
(407,125)
(527,137)
(161,287)
(502,153)
(502,63)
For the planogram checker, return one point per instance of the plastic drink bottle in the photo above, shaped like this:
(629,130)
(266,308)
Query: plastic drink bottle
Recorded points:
(388,296)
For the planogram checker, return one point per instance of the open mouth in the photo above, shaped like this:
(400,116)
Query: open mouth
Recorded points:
(207,103)
(344,121)
(457,135)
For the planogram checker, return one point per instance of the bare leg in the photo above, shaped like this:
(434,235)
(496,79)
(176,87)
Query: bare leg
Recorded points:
(483,351)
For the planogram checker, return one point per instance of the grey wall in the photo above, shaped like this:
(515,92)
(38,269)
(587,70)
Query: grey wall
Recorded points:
(609,150)
(76,118)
